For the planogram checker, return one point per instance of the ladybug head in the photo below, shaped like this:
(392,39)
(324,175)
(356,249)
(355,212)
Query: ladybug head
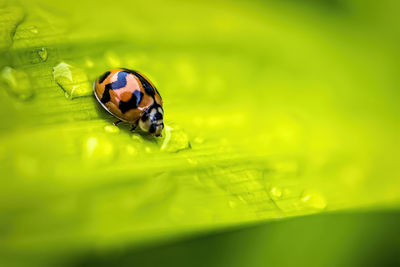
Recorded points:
(152,120)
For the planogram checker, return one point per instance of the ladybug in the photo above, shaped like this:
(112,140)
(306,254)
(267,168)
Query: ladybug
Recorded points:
(131,97)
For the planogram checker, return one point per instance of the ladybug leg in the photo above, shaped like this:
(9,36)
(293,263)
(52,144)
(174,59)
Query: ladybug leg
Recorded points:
(116,123)
(133,127)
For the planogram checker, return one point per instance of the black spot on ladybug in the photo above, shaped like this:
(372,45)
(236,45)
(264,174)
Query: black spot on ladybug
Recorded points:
(131,103)
(152,128)
(148,88)
(106,95)
(119,83)
(104,76)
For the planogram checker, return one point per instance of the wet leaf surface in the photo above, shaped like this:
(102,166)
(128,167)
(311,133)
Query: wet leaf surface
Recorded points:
(272,110)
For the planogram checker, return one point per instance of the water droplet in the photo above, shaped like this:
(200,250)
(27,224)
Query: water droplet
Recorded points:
(33,29)
(314,200)
(112,59)
(17,82)
(97,148)
(275,192)
(175,140)
(137,138)
(130,150)
(72,80)
(11,17)
(43,54)
(232,204)
(111,129)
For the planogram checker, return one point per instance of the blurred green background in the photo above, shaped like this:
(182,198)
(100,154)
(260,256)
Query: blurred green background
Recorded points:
(273,110)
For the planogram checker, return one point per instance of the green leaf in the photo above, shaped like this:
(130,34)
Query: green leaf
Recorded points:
(272,110)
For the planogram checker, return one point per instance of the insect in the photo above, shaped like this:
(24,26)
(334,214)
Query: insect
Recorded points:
(131,97)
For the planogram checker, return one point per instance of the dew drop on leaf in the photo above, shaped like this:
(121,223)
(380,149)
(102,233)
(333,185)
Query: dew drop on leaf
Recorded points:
(314,200)
(174,139)
(111,129)
(10,18)
(232,204)
(130,150)
(137,138)
(43,54)
(17,83)
(97,148)
(72,80)
(275,192)
(33,29)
